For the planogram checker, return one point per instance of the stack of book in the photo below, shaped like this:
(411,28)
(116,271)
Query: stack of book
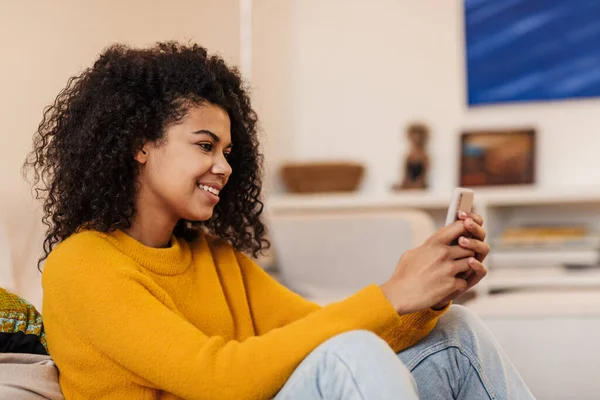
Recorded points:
(545,246)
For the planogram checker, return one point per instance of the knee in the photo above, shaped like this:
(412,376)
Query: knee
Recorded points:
(362,353)
(463,324)
(357,348)
(355,343)
(461,315)
(344,366)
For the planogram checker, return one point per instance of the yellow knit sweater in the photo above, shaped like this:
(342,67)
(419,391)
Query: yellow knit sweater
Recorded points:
(193,321)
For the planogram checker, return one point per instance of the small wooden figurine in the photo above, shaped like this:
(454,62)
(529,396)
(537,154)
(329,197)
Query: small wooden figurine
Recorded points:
(417,161)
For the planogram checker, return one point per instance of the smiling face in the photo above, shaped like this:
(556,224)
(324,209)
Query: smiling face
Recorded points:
(181,177)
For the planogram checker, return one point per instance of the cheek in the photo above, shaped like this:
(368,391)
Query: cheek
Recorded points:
(177,172)
(166,176)
(181,176)
(200,166)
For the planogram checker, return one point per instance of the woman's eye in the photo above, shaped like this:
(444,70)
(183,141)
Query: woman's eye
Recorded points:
(227,155)
(206,146)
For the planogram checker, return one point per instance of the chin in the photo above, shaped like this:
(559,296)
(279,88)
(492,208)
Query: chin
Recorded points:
(200,215)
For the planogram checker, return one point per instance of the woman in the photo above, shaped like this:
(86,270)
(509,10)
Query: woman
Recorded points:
(150,169)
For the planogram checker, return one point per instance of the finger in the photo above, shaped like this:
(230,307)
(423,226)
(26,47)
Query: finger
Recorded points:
(449,233)
(479,272)
(475,229)
(480,248)
(458,252)
(460,267)
(465,275)
(475,217)
(460,285)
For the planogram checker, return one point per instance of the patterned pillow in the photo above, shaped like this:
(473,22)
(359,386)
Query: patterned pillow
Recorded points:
(21,327)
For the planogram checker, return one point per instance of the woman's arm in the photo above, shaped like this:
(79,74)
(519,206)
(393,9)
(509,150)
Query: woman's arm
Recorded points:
(274,306)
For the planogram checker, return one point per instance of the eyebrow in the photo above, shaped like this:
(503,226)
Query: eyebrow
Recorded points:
(212,135)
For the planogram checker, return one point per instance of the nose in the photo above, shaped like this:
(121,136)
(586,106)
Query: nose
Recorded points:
(221,167)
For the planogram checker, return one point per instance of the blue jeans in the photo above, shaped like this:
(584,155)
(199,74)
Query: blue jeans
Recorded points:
(459,359)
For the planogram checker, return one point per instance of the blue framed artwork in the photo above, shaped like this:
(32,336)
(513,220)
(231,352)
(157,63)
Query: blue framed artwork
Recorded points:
(532,50)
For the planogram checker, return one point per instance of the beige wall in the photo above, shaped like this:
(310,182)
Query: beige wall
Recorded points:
(357,71)
(272,72)
(43,43)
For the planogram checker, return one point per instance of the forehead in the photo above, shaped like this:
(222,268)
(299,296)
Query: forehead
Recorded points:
(209,117)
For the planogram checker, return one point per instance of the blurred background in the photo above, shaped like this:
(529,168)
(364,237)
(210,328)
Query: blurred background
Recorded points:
(372,112)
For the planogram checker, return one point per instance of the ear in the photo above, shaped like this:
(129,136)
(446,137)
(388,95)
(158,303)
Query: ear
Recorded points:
(142,155)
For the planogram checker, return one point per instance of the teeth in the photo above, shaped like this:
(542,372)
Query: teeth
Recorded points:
(209,189)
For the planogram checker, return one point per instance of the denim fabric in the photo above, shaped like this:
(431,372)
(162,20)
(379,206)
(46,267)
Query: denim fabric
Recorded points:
(459,359)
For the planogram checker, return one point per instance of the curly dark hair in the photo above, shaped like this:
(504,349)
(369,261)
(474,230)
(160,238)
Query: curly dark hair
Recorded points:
(83,151)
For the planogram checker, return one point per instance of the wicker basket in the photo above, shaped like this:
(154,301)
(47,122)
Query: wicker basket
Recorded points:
(322,177)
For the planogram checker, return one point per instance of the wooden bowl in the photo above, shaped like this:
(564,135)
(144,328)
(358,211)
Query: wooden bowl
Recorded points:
(322,177)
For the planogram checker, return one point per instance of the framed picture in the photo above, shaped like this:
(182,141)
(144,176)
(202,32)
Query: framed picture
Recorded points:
(497,157)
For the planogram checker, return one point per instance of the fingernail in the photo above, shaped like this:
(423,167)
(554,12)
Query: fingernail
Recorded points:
(469,222)
(471,260)
(464,240)
(462,214)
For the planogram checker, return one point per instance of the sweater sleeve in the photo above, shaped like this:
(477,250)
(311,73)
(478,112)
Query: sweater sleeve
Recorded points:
(274,306)
(164,351)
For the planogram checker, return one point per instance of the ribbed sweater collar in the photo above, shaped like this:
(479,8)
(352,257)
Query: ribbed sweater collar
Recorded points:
(172,260)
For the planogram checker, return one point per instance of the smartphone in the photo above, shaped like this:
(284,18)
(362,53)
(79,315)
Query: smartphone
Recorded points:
(462,200)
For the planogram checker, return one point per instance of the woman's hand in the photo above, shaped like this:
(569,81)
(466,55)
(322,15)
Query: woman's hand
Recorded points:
(474,225)
(435,273)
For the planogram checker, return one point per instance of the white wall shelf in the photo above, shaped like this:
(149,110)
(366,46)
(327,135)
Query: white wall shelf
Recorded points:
(500,207)
(502,197)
